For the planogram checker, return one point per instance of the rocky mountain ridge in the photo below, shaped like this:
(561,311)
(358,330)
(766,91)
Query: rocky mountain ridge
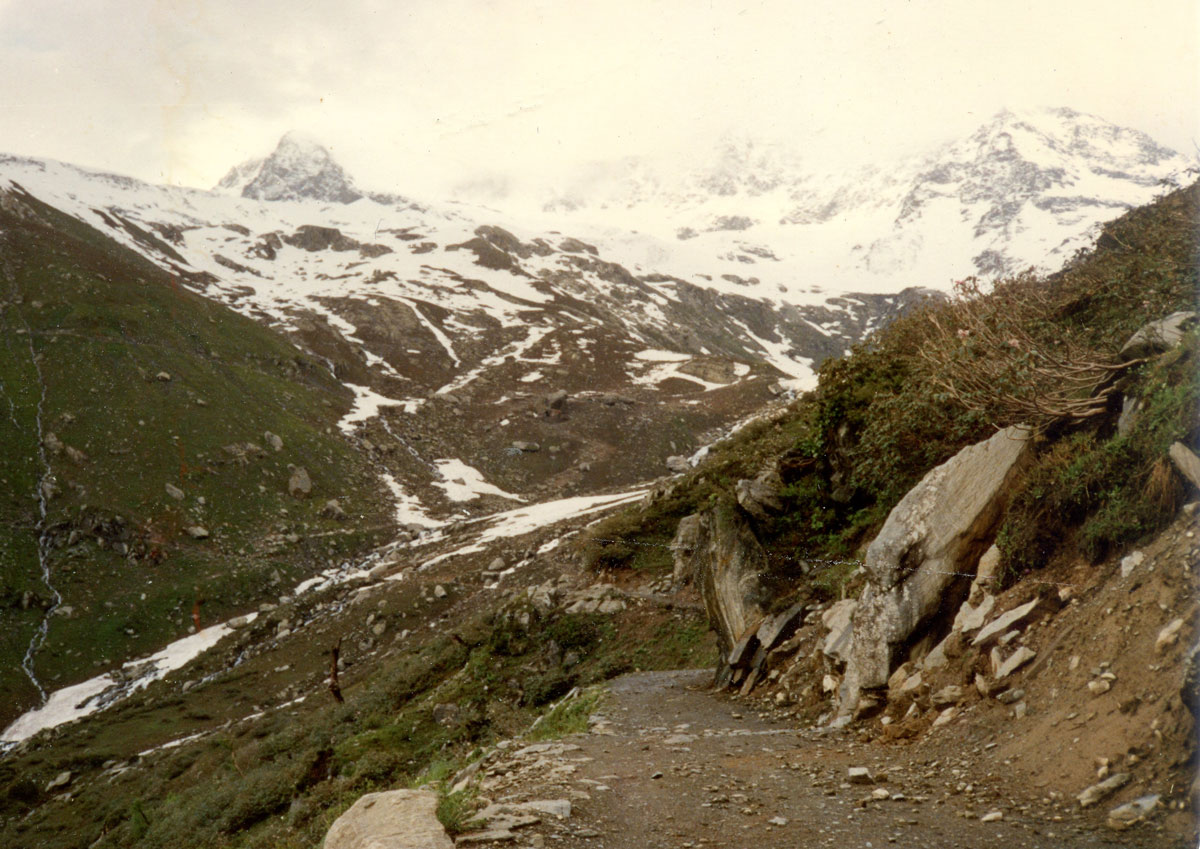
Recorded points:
(1025,189)
(299,168)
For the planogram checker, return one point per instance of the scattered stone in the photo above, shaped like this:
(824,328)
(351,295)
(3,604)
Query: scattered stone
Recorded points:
(1105,788)
(1168,636)
(677,464)
(197,532)
(1018,616)
(299,484)
(439,591)
(949,695)
(164,376)
(1003,668)
(971,617)
(52,443)
(274,442)
(1131,813)
(779,821)
(397,819)
(1099,687)
(333,510)
(60,780)
(945,716)
(860,775)
(1009,697)
(1130,562)
(992,816)
(985,574)
(880,794)
(174,491)
(526,447)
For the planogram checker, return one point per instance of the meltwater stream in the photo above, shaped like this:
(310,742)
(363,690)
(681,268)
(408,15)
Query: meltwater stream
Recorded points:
(45,482)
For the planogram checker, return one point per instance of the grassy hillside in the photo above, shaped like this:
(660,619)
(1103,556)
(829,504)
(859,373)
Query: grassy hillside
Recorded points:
(115,381)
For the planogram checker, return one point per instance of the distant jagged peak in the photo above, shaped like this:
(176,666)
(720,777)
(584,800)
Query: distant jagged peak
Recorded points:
(1066,132)
(300,168)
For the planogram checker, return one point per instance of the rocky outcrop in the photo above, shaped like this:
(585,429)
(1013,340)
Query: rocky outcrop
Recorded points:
(397,819)
(760,497)
(930,540)
(719,552)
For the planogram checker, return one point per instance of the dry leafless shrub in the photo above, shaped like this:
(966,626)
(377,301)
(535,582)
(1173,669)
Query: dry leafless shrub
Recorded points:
(1001,354)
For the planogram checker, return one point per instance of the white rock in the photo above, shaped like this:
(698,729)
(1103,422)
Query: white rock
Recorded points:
(396,819)
(860,775)
(1108,786)
(1120,818)
(1016,660)
(992,816)
(945,716)
(1130,562)
(1168,636)
(1005,622)
(60,780)
(971,618)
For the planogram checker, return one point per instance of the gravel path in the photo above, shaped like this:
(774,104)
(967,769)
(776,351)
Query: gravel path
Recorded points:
(670,764)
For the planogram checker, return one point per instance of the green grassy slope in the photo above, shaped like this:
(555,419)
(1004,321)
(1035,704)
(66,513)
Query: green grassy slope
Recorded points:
(123,382)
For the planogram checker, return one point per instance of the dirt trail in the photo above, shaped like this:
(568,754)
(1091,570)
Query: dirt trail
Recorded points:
(668,763)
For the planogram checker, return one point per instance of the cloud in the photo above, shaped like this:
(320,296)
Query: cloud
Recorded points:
(423,92)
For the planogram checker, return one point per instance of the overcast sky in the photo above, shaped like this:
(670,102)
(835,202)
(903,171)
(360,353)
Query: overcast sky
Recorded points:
(414,93)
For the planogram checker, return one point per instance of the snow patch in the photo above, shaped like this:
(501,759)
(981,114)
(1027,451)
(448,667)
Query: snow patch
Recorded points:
(461,482)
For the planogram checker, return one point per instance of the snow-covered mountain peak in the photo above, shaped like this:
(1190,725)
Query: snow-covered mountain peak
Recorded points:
(300,168)
(1049,135)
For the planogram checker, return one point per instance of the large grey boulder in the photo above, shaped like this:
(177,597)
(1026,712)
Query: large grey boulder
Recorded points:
(724,558)
(397,819)
(1159,336)
(934,535)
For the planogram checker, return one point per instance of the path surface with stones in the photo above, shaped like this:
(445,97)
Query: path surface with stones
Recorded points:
(668,763)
